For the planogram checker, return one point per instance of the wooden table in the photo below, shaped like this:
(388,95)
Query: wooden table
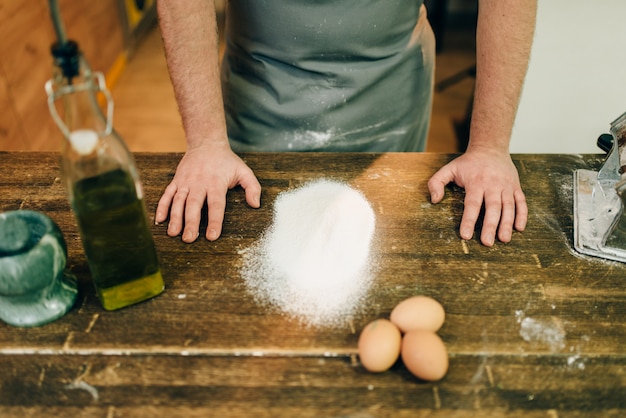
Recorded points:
(532,328)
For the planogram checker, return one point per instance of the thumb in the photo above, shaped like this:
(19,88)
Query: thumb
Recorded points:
(438,182)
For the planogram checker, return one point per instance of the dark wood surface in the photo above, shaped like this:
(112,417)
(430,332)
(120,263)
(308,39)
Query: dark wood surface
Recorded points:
(205,347)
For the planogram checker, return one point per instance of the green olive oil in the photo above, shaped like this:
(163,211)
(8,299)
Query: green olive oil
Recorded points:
(116,239)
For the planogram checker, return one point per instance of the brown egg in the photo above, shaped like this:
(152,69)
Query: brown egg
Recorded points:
(418,313)
(379,345)
(425,355)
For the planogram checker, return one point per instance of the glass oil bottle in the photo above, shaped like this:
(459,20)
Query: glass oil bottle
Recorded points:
(103,184)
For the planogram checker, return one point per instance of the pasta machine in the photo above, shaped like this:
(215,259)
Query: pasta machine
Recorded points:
(600,199)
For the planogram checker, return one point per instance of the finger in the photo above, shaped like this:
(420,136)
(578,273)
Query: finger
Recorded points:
(493,212)
(472,205)
(217,205)
(193,207)
(176,212)
(521,210)
(163,206)
(438,182)
(506,220)
(252,188)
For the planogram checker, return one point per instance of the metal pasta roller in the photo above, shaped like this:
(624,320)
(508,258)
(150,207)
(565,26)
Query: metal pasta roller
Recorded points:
(599,200)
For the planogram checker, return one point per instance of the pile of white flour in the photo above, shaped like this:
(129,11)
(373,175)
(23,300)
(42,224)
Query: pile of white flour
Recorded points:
(314,261)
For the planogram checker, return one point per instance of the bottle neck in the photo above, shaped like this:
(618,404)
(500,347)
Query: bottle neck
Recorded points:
(76,99)
(75,102)
(90,145)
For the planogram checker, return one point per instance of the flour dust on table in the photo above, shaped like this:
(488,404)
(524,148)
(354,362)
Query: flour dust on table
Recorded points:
(314,261)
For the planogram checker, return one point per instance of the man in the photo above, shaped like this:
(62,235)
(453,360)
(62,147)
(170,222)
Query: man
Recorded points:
(296,75)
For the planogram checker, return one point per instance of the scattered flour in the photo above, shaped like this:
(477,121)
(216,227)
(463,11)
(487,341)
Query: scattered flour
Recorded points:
(545,332)
(314,261)
(576,362)
(309,139)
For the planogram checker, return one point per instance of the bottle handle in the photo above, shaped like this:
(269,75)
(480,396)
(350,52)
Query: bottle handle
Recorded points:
(53,95)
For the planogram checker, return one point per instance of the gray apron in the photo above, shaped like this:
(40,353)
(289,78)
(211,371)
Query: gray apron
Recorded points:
(328,75)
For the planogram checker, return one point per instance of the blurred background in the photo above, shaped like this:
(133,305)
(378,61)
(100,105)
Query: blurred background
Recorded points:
(574,89)
(121,38)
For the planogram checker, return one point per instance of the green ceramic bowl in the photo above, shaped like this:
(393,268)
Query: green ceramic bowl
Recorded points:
(35,288)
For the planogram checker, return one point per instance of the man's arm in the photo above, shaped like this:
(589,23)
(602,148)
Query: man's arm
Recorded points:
(503,40)
(209,167)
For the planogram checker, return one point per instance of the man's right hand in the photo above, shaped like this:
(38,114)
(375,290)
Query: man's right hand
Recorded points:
(205,173)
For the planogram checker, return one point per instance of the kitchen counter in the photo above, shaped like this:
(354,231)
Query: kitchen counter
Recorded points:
(533,328)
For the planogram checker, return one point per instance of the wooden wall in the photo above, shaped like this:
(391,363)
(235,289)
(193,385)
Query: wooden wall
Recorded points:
(26,34)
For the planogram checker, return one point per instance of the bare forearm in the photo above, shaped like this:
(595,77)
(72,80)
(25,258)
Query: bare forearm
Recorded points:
(504,37)
(189,31)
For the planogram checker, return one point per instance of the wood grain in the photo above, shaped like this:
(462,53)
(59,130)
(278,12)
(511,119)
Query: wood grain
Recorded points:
(206,346)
